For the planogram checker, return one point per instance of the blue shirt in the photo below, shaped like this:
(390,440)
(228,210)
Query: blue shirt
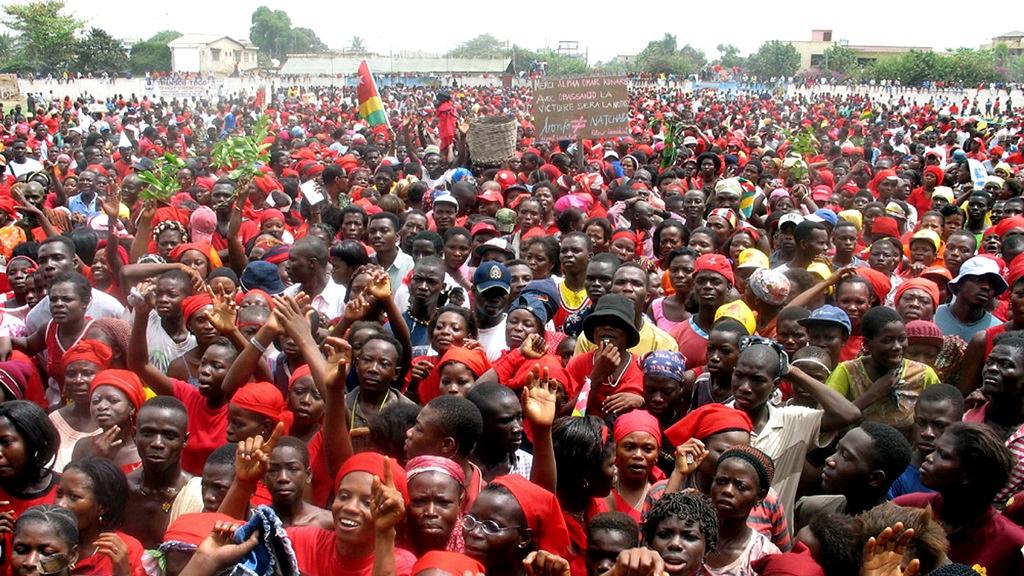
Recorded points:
(949,324)
(78,206)
(908,483)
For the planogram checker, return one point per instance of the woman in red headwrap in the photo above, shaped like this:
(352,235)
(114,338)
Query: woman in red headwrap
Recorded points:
(74,420)
(921,197)
(637,439)
(701,436)
(116,396)
(457,370)
(194,311)
(511,518)
(437,491)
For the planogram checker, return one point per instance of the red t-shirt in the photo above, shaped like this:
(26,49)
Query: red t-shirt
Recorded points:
(19,505)
(632,380)
(323,483)
(693,342)
(100,565)
(207,427)
(316,551)
(994,544)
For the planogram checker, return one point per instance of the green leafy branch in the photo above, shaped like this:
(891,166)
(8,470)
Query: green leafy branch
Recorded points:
(803,145)
(162,181)
(244,155)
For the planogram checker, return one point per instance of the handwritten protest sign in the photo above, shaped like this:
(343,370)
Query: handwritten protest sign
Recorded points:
(581,107)
(10,93)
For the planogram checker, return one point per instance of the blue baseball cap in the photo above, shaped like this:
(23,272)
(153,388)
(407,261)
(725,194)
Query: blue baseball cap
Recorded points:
(533,305)
(828,314)
(492,274)
(546,291)
(827,215)
(262,275)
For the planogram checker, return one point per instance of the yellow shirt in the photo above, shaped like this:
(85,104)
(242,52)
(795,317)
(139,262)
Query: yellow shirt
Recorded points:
(651,338)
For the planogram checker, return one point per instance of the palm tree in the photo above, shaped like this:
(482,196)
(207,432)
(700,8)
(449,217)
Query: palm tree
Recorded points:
(356,45)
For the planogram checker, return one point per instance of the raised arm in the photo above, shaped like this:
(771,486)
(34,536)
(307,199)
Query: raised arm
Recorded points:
(539,406)
(293,315)
(252,458)
(26,207)
(337,440)
(248,360)
(237,258)
(138,348)
(839,412)
(380,288)
(112,208)
(143,233)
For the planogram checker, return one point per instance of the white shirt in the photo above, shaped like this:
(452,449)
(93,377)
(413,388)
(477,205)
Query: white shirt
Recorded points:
(787,436)
(31,165)
(162,348)
(399,268)
(330,302)
(493,339)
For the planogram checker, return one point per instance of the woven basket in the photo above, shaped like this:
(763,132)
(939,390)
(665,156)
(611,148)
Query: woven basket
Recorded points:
(492,139)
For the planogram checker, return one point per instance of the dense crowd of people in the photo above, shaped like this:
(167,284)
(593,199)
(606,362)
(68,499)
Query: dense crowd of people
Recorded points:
(757,335)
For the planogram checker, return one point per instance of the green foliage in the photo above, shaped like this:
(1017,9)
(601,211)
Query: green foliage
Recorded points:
(162,181)
(244,154)
(664,57)
(272,33)
(729,56)
(963,65)
(482,46)
(839,58)
(100,52)
(152,55)
(356,44)
(775,59)
(46,37)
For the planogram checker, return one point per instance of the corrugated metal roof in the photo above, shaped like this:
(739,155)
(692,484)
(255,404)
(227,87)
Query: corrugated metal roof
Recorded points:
(319,64)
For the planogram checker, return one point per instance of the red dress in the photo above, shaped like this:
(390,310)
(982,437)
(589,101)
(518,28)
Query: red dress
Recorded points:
(207,427)
(316,551)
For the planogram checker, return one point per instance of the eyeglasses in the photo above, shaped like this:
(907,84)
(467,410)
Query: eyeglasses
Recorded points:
(490,527)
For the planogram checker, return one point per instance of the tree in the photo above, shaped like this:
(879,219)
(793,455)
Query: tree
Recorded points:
(305,41)
(839,58)
(271,31)
(152,55)
(482,46)
(45,35)
(356,45)
(775,59)
(729,56)
(663,57)
(100,52)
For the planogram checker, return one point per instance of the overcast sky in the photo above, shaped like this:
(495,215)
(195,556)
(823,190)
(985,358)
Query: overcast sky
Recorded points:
(603,32)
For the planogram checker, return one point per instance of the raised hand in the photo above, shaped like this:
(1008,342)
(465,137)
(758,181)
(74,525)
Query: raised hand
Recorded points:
(386,503)
(380,284)
(294,320)
(224,312)
(221,550)
(112,205)
(253,455)
(357,309)
(339,359)
(539,398)
(689,455)
(544,563)
(420,370)
(533,347)
(198,282)
(883,556)
(107,443)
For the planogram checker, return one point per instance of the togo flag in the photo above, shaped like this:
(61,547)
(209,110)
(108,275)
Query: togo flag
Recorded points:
(371,108)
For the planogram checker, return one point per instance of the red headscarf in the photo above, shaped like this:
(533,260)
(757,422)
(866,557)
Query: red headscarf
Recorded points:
(271,213)
(1016,271)
(265,399)
(373,463)
(921,284)
(258,292)
(449,562)
(124,380)
(936,172)
(629,234)
(707,421)
(267,183)
(212,259)
(542,511)
(195,303)
(880,283)
(92,351)
(879,176)
(475,360)
(299,372)
(556,371)
(637,421)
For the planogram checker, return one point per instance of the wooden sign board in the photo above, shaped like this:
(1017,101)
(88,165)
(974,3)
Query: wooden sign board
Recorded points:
(581,107)
(10,93)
